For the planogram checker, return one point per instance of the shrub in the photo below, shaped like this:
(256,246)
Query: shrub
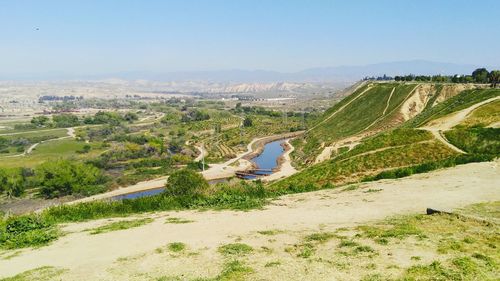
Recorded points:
(12,182)
(26,231)
(186,182)
(64,177)
(235,249)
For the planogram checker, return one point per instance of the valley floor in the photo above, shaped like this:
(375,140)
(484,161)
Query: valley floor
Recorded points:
(275,234)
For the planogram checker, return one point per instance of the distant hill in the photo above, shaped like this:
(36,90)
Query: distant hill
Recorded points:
(320,74)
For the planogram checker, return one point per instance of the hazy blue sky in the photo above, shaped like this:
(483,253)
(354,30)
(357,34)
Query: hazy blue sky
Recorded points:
(100,36)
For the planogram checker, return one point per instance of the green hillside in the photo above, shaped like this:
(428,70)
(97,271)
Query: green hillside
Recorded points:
(403,150)
(371,108)
(385,151)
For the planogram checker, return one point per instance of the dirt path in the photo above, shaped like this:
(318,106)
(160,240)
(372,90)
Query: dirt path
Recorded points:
(438,126)
(91,257)
(448,122)
(27,132)
(203,152)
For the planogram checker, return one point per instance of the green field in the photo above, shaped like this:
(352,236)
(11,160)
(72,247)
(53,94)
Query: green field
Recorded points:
(50,150)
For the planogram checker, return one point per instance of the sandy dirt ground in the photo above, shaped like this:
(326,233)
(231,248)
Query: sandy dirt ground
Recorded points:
(98,257)
(327,152)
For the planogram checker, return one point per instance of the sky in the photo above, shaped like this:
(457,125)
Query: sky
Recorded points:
(107,36)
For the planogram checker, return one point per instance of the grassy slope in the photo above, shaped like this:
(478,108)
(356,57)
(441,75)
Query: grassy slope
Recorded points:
(484,115)
(364,111)
(388,150)
(404,147)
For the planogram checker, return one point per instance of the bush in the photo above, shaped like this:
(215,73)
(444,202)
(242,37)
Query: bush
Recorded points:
(12,182)
(64,177)
(26,231)
(186,182)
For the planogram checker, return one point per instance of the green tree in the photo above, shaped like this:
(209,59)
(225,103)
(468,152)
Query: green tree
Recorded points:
(63,177)
(494,77)
(65,120)
(247,122)
(186,182)
(40,121)
(480,75)
(130,117)
(12,182)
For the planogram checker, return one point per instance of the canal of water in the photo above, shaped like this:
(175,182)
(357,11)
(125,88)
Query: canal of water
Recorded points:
(267,160)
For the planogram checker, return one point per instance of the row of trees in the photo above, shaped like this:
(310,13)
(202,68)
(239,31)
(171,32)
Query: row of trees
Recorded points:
(480,75)
(54,179)
(70,120)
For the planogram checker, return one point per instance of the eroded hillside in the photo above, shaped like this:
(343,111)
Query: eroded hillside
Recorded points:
(412,133)
(371,109)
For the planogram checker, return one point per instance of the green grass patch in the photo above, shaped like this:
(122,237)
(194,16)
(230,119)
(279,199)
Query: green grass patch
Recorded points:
(177,220)
(235,249)
(44,273)
(270,232)
(345,243)
(176,247)
(53,150)
(321,237)
(476,140)
(120,225)
(430,166)
(306,250)
(461,268)
(484,115)
(398,228)
(27,231)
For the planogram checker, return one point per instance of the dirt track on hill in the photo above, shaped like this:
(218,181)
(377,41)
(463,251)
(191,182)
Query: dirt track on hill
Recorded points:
(97,257)
(440,125)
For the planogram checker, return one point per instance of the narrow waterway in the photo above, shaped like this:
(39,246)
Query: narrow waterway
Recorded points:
(268,159)
(266,162)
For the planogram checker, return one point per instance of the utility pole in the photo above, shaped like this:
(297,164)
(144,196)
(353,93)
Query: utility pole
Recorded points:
(202,158)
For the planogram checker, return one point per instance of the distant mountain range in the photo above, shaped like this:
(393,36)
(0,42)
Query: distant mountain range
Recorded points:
(321,74)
